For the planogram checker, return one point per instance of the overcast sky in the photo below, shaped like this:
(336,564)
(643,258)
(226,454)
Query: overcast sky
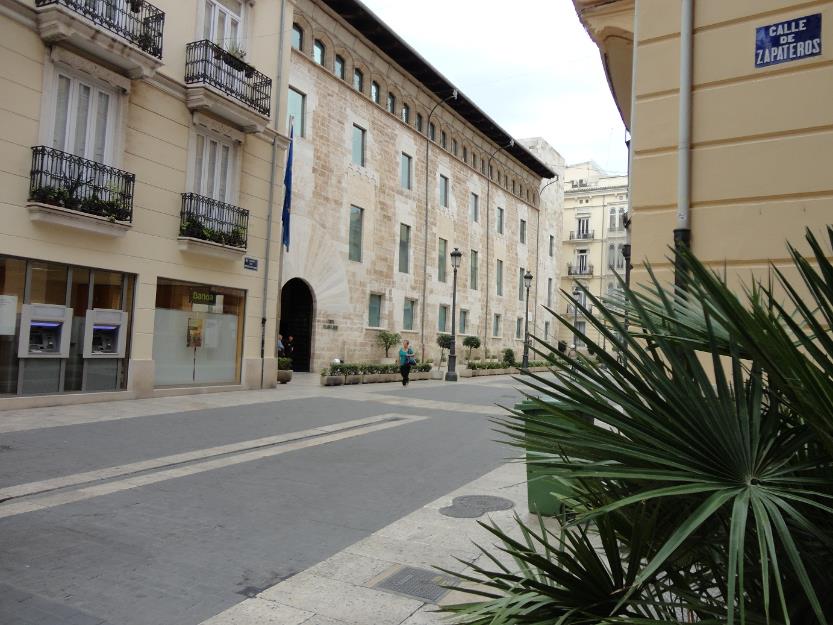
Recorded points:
(528,63)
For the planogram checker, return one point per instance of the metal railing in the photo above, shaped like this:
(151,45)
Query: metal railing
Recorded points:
(211,220)
(68,181)
(137,21)
(209,63)
(573,310)
(579,270)
(582,235)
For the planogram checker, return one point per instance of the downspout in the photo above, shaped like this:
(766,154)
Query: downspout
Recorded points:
(626,251)
(682,233)
(538,250)
(271,209)
(488,238)
(424,305)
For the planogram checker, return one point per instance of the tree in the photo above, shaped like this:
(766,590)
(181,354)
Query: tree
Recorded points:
(387,340)
(509,356)
(698,467)
(445,341)
(472,342)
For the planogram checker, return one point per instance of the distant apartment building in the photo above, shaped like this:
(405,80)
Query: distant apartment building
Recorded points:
(376,129)
(728,106)
(595,214)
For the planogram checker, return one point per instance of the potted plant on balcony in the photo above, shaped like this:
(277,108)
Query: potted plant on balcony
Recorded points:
(235,58)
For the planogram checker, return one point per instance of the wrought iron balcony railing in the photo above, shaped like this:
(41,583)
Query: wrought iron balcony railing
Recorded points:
(582,235)
(137,21)
(573,310)
(579,270)
(209,63)
(67,181)
(214,221)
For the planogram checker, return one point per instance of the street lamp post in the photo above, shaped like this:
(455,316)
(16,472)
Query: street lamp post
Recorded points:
(451,374)
(527,284)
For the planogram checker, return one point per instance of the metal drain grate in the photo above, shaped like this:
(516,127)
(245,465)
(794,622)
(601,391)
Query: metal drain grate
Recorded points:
(473,506)
(417,583)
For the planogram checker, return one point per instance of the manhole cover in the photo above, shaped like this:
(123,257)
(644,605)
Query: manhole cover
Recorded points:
(473,506)
(419,583)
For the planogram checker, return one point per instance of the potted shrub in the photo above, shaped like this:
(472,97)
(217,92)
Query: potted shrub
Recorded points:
(370,374)
(284,370)
(422,371)
(387,340)
(471,342)
(445,341)
(352,373)
(332,376)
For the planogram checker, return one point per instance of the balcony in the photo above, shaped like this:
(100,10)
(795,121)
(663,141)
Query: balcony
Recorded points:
(224,84)
(579,270)
(582,235)
(212,228)
(124,33)
(71,191)
(617,230)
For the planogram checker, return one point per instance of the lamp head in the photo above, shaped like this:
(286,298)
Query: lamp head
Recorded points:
(454,95)
(456,256)
(528,279)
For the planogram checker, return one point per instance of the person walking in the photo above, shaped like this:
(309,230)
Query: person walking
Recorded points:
(281,352)
(406,360)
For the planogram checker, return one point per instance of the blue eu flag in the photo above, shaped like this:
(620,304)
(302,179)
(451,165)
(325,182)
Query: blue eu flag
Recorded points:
(287,198)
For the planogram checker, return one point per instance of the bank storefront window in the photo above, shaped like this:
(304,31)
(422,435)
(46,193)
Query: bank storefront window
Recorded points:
(198,333)
(56,321)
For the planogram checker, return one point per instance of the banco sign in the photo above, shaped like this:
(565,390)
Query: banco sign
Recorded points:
(787,41)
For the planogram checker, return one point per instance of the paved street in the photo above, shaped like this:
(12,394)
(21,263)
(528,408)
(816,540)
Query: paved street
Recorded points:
(170,511)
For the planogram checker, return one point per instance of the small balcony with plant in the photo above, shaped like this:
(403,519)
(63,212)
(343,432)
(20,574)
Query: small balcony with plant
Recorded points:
(579,269)
(71,191)
(125,33)
(211,227)
(221,81)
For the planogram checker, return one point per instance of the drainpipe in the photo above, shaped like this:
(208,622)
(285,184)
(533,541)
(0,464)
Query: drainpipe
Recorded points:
(538,251)
(626,250)
(682,233)
(263,311)
(488,238)
(428,140)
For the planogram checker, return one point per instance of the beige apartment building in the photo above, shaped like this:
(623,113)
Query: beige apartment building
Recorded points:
(728,105)
(141,163)
(595,214)
(373,227)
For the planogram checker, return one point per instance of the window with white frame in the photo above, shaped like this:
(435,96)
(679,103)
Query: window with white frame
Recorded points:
(318,51)
(549,292)
(295,108)
(405,170)
(85,119)
(474,207)
(338,66)
(523,231)
(405,113)
(519,327)
(214,165)
(464,321)
(374,92)
(499,277)
(391,105)
(222,24)
(409,314)
(520,284)
(443,191)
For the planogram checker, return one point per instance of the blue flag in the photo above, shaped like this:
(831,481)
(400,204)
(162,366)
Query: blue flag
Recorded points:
(287,198)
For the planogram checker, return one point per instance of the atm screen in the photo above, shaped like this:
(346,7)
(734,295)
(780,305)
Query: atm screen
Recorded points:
(45,337)
(105,339)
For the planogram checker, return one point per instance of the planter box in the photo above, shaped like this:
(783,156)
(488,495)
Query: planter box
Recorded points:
(421,375)
(436,374)
(332,380)
(465,373)
(371,378)
(284,376)
(390,377)
(352,379)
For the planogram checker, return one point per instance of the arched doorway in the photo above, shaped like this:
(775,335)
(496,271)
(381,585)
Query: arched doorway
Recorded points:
(296,321)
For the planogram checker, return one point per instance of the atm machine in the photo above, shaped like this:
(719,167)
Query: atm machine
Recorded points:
(45,331)
(105,333)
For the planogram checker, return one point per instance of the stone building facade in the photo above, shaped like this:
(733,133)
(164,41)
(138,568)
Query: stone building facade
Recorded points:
(361,258)
(137,157)
(595,213)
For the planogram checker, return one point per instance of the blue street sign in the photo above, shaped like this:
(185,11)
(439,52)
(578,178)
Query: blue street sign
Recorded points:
(787,41)
(250,263)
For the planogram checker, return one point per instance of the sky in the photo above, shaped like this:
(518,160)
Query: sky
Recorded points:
(529,64)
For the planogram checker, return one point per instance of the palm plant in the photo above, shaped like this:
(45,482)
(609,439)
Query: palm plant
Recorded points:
(698,465)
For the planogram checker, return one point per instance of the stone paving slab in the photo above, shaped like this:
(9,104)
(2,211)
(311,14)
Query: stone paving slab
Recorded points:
(340,590)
